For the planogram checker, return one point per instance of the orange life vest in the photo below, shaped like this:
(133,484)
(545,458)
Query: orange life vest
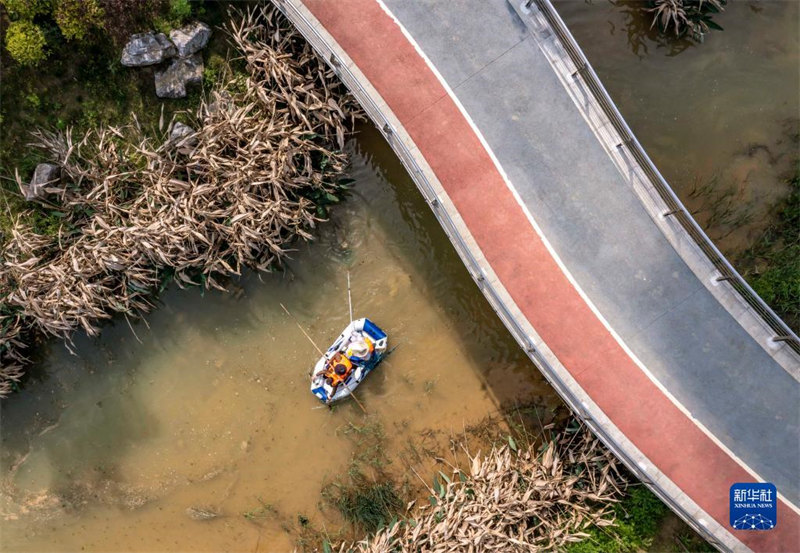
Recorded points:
(338,361)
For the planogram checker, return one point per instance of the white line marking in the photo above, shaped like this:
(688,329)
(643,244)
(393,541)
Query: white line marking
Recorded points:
(561,265)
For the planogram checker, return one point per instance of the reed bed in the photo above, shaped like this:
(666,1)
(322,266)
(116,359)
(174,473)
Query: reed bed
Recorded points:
(512,500)
(138,208)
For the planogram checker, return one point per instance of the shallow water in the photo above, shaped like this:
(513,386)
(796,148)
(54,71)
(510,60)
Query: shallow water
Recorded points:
(107,449)
(719,119)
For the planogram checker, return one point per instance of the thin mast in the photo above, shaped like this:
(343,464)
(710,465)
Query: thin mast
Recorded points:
(349,298)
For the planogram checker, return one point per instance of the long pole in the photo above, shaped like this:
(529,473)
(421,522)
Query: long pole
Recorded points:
(349,298)
(301,329)
(352,394)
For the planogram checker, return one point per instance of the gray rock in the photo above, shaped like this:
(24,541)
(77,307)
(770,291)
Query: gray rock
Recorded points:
(45,175)
(191,38)
(147,49)
(182,135)
(171,81)
(222,102)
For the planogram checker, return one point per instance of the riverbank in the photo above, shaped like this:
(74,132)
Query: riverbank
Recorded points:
(137,208)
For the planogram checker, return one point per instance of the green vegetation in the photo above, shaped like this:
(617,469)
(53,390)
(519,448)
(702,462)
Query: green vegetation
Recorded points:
(261,512)
(638,516)
(77,18)
(368,498)
(26,9)
(692,18)
(26,43)
(773,263)
(642,523)
(367,505)
(67,74)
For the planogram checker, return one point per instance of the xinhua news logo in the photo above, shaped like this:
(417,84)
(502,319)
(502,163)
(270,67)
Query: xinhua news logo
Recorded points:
(754,506)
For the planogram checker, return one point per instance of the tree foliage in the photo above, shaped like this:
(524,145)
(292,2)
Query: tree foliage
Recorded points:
(76,18)
(26,9)
(25,42)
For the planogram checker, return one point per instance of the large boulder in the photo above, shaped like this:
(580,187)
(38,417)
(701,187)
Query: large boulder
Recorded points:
(147,49)
(44,175)
(190,39)
(171,81)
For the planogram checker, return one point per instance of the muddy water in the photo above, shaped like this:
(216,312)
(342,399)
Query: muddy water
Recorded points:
(719,119)
(207,406)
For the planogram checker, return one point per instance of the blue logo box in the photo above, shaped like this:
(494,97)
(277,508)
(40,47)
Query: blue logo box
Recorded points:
(754,506)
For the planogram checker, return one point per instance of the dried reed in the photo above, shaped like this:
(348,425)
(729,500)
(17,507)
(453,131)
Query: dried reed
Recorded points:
(137,208)
(513,501)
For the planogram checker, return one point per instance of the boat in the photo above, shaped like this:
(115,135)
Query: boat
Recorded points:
(353,355)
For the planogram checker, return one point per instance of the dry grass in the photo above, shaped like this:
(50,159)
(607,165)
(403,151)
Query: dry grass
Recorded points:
(513,501)
(137,208)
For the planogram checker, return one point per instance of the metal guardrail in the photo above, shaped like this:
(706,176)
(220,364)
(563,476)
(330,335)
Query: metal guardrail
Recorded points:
(675,207)
(374,112)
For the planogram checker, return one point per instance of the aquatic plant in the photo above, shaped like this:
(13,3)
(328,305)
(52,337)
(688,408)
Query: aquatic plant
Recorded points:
(136,207)
(367,505)
(772,264)
(686,17)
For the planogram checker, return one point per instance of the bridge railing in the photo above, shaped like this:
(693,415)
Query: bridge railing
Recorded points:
(376,114)
(675,208)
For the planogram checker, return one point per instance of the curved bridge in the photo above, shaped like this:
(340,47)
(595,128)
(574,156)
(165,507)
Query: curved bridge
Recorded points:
(580,246)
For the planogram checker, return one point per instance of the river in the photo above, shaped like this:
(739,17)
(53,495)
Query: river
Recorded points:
(719,119)
(207,404)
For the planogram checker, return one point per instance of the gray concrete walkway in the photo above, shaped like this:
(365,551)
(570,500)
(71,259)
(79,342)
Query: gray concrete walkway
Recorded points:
(557,217)
(607,240)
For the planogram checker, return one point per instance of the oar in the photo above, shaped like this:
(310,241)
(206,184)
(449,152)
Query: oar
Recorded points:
(301,329)
(352,395)
(320,352)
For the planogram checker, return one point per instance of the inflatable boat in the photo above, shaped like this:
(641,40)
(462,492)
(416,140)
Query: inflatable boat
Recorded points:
(357,350)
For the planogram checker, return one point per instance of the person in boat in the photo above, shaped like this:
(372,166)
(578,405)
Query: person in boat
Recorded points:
(359,348)
(337,370)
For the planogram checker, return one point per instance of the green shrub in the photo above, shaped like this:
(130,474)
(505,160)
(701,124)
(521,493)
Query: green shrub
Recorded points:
(33,100)
(638,516)
(25,9)
(180,10)
(76,18)
(214,70)
(25,42)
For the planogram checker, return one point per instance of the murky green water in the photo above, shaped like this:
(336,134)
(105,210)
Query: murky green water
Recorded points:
(719,119)
(212,409)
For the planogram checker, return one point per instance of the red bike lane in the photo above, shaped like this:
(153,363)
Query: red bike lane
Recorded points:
(518,256)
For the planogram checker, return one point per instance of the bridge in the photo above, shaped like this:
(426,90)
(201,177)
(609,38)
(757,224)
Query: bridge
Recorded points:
(580,246)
